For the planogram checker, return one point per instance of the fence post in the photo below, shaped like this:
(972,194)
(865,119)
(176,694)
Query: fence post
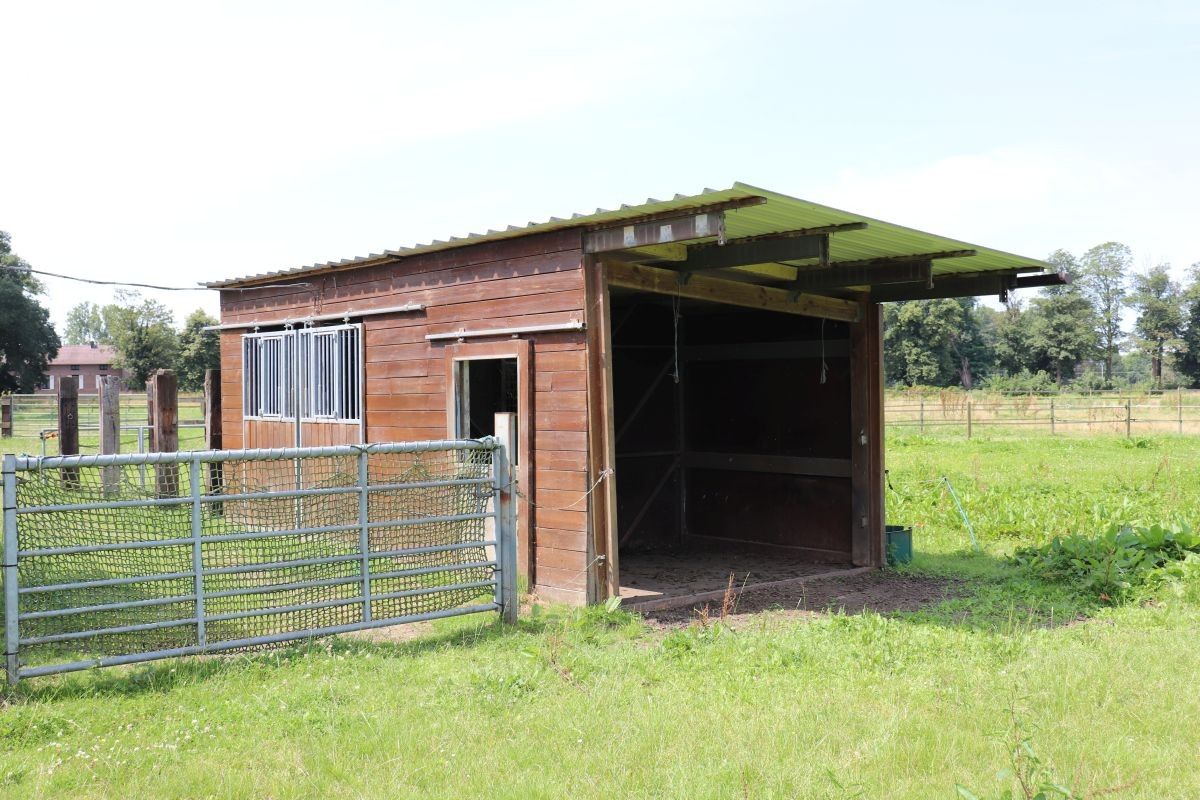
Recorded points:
(197,550)
(1179,405)
(110,430)
(1128,417)
(969,420)
(164,436)
(12,630)
(922,429)
(6,416)
(506,515)
(1051,416)
(364,532)
(212,424)
(68,426)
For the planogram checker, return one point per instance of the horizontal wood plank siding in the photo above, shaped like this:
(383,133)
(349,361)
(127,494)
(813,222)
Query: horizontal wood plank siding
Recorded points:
(533,280)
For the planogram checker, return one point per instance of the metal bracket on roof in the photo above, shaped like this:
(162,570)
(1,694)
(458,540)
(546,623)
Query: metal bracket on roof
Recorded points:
(1007,284)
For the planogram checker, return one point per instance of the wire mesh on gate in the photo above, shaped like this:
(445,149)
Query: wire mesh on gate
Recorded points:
(230,550)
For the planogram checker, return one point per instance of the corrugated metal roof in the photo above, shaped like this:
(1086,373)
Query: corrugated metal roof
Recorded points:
(780,213)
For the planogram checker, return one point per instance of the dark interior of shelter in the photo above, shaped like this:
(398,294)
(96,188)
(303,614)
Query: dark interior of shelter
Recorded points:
(491,388)
(732,444)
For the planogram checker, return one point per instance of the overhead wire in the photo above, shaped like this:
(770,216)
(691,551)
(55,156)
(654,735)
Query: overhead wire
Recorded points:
(97,282)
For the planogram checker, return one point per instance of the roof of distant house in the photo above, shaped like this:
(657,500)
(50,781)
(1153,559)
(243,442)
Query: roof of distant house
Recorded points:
(85,354)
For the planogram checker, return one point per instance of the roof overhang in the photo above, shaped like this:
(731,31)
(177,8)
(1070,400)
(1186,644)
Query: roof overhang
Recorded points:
(751,235)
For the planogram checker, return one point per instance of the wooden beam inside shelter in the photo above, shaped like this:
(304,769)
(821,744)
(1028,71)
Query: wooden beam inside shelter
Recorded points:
(716,290)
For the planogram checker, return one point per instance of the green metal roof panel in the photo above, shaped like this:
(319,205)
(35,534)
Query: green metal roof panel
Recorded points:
(780,213)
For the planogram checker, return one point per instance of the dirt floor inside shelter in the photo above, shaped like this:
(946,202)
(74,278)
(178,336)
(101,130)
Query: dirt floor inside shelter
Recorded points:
(650,576)
(879,591)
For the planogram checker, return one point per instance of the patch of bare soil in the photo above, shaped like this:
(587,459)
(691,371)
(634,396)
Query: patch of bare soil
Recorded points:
(882,592)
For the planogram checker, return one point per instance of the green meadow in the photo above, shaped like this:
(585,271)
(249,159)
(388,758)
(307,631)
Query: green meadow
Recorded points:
(1068,671)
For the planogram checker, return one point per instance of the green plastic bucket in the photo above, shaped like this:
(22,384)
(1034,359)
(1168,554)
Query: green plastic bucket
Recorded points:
(899,544)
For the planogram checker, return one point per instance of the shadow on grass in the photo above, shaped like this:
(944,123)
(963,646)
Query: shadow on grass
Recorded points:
(171,674)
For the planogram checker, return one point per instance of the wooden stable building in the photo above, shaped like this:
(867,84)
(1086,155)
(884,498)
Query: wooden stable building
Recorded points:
(697,381)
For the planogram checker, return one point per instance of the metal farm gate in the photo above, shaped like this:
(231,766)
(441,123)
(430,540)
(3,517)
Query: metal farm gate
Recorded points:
(233,549)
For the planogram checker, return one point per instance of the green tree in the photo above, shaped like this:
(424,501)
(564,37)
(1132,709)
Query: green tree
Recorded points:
(1188,362)
(1159,304)
(1007,334)
(199,350)
(85,323)
(1062,329)
(28,341)
(934,342)
(1104,281)
(144,335)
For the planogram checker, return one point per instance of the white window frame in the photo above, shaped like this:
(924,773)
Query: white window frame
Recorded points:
(331,350)
(303,355)
(254,395)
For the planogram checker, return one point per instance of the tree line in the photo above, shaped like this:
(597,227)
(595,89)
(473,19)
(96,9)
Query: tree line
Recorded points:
(142,331)
(143,334)
(1076,335)
(1065,335)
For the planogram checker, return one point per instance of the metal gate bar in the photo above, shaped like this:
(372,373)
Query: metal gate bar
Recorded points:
(36,491)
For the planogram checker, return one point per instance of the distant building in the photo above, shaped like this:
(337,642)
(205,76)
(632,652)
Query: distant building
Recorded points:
(88,362)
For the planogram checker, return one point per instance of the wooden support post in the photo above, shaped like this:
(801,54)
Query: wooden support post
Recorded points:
(6,417)
(1052,416)
(212,426)
(165,433)
(922,416)
(1128,417)
(68,426)
(110,430)
(1179,406)
(604,567)
(866,445)
(969,420)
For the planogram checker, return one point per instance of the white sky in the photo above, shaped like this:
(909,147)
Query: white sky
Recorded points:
(175,143)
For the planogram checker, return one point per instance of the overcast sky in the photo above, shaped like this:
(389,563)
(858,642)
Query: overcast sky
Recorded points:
(176,143)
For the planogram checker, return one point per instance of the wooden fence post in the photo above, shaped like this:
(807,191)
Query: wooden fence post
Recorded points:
(1179,406)
(110,430)
(68,426)
(6,417)
(1051,416)
(1128,417)
(164,437)
(922,429)
(969,421)
(212,425)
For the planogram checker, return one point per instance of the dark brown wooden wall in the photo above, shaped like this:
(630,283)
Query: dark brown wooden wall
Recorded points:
(534,280)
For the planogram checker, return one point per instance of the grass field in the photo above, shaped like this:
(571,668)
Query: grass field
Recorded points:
(600,704)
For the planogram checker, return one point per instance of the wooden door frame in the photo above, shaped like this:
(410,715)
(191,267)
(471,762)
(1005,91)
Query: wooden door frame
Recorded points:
(523,353)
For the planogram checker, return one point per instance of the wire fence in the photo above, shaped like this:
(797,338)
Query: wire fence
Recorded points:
(229,550)
(957,414)
(32,413)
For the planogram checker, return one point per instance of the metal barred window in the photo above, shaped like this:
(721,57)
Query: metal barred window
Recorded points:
(318,370)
